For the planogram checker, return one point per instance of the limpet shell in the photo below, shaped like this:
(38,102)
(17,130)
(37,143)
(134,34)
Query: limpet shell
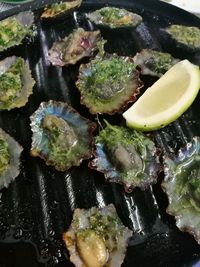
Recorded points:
(77,45)
(127,157)
(182,186)
(61,136)
(14,71)
(108,83)
(17,27)
(97,237)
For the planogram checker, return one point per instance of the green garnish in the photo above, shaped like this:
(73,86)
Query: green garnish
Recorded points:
(112,15)
(61,138)
(11,82)
(188,36)
(4,154)
(106,77)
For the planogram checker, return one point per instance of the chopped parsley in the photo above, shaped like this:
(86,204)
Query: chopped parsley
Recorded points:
(107,77)
(4,154)
(189,36)
(11,82)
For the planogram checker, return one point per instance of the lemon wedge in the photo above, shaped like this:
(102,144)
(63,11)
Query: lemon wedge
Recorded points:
(166,99)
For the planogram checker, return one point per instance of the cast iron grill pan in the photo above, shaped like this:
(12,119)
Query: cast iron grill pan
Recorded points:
(37,208)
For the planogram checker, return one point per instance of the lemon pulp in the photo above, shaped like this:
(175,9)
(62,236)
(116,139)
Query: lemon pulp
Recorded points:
(166,99)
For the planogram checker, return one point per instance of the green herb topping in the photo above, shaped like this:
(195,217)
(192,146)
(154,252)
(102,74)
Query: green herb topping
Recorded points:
(4,154)
(11,82)
(114,17)
(189,36)
(61,138)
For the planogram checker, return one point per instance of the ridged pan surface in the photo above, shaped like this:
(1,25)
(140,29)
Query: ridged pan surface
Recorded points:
(37,207)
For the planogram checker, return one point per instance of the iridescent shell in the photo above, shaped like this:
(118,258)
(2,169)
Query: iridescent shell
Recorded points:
(10,152)
(14,29)
(127,157)
(153,62)
(60,135)
(77,45)
(97,238)
(182,186)
(107,84)
(59,9)
(16,83)
(185,36)
(114,18)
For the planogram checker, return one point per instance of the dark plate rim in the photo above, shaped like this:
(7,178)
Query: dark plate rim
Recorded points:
(160,7)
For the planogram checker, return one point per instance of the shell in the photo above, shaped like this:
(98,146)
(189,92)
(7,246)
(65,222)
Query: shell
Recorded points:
(14,71)
(59,9)
(56,137)
(153,62)
(102,235)
(77,45)
(114,18)
(182,186)
(127,157)
(185,37)
(13,150)
(107,84)
(17,27)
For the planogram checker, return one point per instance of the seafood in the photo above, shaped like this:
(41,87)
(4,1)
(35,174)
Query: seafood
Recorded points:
(113,18)
(14,29)
(108,83)
(58,9)
(153,62)
(97,238)
(185,36)
(127,157)
(77,45)
(16,83)
(10,152)
(182,186)
(56,137)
